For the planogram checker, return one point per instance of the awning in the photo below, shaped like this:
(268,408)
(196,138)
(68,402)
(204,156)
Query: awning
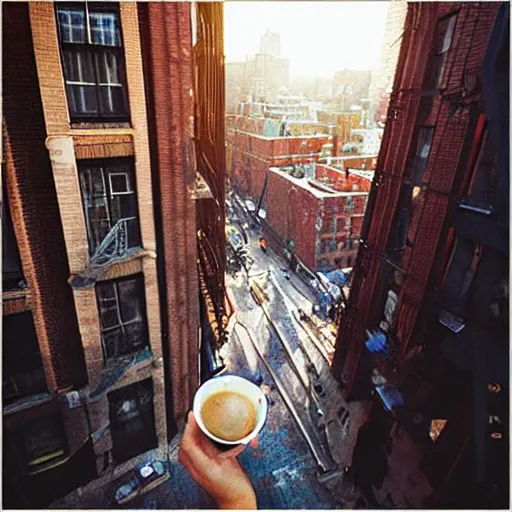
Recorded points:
(337,277)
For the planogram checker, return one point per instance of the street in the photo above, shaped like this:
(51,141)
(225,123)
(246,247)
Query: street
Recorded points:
(310,431)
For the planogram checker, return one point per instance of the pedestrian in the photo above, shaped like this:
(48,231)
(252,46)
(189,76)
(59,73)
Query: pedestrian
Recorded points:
(263,244)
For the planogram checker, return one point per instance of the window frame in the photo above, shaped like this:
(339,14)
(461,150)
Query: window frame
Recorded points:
(482,165)
(456,301)
(95,50)
(413,176)
(437,58)
(145,412)
(21,359)
(103,165)
(139,279)
(47,459)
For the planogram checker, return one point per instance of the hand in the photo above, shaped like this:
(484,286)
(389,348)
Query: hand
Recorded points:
(217,472)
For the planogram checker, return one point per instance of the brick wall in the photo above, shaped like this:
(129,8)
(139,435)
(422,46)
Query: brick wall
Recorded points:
(250,156)
(446,166)
(337,180)
(87,140)
(33,201)
(358,162)
(292,213)
(169,38)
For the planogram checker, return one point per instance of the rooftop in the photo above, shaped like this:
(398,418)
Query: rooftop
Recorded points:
(318,186)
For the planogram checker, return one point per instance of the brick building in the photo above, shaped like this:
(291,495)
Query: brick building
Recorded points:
(249,153)
(320,212)
(344,123)
(350,86)
(260,76)
(102,299)
(430,280)
(235,88)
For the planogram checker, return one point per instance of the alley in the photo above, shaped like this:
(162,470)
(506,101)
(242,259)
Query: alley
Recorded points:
(287,472)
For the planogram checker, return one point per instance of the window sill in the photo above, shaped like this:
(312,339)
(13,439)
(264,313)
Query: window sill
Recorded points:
(57,460)
(100,125)
(451,321)
(16,301)
(97,130)
(476,209)
(27,402)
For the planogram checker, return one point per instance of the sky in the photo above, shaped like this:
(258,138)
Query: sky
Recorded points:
(318,37)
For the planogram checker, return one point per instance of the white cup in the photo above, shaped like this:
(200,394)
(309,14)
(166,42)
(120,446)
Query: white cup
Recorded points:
(237,385)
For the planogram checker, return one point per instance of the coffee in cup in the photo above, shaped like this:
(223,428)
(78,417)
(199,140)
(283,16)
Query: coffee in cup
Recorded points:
(230,410)
(228,415)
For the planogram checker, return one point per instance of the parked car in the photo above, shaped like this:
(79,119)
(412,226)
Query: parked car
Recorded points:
(141,480)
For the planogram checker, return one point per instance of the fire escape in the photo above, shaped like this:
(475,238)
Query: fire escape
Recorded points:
(210,151)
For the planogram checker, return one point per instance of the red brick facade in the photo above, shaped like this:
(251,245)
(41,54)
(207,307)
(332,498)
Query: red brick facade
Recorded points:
(324,226)
(45,200)
(447,144)
(170,85)
(404,257)
(249,154)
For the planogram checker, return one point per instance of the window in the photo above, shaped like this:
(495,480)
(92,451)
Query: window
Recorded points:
(122,308)
(12,273)
(349,205)
(398,240)
(109,196)
(92,59)
(132,420)
(421,152)
(43,441)
(483,188)
(392,280)
(436,427)
(22,366)
(436,67)
(460,274)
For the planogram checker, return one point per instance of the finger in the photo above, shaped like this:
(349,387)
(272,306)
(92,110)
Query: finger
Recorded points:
(234,452)
(254,443)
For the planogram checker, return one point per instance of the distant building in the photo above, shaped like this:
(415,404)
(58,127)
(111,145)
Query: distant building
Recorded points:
(236,89)
(323,88)
(350,87)
(344,126)
(270,43)
(255,144)
(319,209)
(265,75)
(425,335)
(369,140)
(382,79)
(260,77)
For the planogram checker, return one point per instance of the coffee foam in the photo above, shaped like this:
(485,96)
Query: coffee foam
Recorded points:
(228,415)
